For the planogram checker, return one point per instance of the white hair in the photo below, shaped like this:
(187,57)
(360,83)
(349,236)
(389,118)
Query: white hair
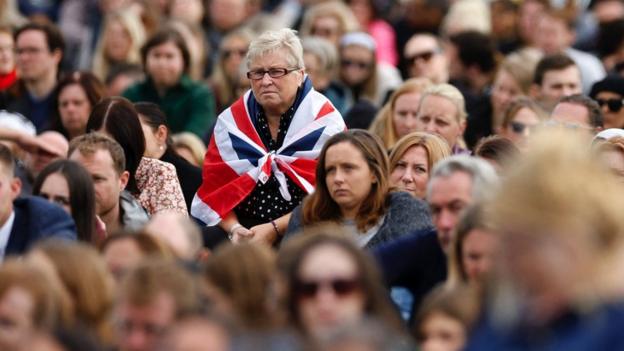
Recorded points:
(275,40)
(450,93)
(483,175)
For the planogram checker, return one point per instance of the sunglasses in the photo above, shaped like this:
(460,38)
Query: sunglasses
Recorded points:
(358,64)
(425,56)
(340,286)
(614,105)
(229,53)
(519,127)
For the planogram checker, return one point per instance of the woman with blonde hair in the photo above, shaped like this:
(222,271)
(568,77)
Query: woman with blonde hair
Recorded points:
(123,34)
(330,20)
(520,119)
(413,158)
(190,147)
(224,78)
(398,116)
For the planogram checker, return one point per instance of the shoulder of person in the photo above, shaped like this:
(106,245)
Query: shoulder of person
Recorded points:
(402,206)
(50,219)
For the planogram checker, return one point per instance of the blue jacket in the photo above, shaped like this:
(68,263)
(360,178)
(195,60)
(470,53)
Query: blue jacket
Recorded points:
(36,219)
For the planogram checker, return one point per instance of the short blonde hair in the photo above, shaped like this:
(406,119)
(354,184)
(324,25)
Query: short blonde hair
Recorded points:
(383,124)
(450,93)
(191,142)
(336,9)
(521,67)
(275,40)
(436,148)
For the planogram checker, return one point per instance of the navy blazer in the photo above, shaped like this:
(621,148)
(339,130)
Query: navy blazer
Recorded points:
(36,219)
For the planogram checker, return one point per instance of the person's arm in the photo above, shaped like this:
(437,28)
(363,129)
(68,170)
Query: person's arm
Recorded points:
(268,233)
(235,230)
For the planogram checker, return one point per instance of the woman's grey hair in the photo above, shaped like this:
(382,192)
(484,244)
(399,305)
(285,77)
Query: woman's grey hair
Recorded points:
(484,176)
(452,94)
(274,40)
(325,52)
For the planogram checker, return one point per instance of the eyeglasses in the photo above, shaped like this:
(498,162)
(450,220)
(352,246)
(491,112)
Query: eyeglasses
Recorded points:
(614,105)
(359,64)
(228,53)
(273,73)
(341,287)
(519,127)
(425,56)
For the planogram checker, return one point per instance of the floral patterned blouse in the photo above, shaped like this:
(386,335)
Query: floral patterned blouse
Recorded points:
(159,186)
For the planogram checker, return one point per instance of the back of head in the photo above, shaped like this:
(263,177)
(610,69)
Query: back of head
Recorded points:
(475,49)
(244,273)
(154,277)
(594,113)
(561,199)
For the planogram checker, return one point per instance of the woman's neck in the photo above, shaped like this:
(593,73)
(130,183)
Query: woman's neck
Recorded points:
(349,213)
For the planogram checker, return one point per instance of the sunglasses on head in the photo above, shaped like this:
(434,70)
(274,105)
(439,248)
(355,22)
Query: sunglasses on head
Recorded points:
(614,105)
(342,287)
(358,64)
(425,56)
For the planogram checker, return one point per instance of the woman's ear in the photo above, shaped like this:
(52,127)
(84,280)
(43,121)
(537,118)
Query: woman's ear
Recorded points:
(161,134)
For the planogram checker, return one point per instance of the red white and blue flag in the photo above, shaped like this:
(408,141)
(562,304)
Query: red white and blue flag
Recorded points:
(237,159)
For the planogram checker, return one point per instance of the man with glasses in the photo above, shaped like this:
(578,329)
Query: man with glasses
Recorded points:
(609,94)
(39,50)
(425,58)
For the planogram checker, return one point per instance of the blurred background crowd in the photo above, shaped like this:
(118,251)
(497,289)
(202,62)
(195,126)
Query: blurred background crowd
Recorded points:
(435,175)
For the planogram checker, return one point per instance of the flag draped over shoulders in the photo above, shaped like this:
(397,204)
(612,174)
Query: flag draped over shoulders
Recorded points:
(237,159)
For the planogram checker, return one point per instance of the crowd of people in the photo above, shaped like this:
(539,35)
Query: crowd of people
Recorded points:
(435,175)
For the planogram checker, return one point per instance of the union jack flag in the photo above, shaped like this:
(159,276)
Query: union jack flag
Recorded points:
(237,159)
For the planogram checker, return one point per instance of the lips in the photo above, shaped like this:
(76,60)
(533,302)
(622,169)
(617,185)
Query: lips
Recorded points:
(341,192)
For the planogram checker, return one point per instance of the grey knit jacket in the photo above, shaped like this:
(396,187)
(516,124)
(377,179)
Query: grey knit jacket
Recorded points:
(405,215)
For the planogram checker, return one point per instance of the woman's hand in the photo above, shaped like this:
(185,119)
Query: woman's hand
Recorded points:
(241,234)
(264,234)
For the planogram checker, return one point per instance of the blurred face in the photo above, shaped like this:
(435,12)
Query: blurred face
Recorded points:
(107,182)
(479,248)
(448,197)
(573,115)
(56,190)
(121,256)
(319,79)
(440,332)
(233,52)
(612,111)
(504,89)
(554,35)
(529,13)
(34,59)
(348,177)
(356,65)
(521,126)
(425,59)
(142,327)
(226,14)
(165,64)
(560,83)
(275,95)
(74,108)
(118,42)
(16,313)
(191,11)
(438,115)
(362,11)
(153,147)
(404,113)
(327,27)
(7,56)
(614,161)
(412,172)
(328,292)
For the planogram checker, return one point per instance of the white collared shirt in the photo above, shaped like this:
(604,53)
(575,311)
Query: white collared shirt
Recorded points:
(5,233)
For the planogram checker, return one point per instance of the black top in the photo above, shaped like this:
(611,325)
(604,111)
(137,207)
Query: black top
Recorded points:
(190,177)
(265,203)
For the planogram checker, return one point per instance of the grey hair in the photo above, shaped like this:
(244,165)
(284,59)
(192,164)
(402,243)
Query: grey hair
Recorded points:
(274,40)
(450,93)
(325,52)
(484,176)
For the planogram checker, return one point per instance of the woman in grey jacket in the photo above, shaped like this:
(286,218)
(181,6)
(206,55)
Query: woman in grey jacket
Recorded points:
(352,189)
